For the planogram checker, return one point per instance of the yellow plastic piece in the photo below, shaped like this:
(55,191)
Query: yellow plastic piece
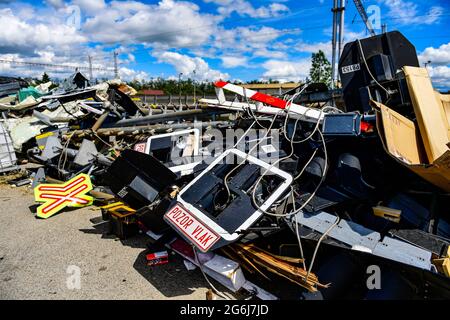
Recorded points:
(390,214)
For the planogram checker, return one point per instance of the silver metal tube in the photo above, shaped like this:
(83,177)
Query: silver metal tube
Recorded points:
(341,34)
(341,28)
(333,44)
(151,129)
(159,117)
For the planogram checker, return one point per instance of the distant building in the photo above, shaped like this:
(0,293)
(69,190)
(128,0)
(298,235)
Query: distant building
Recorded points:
(151,93)
(272,88)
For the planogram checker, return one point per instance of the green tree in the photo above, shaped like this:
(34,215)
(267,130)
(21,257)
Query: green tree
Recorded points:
(321,68)
(45,78)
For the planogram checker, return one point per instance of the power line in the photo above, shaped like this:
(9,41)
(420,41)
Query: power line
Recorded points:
(50,65)
(221,37)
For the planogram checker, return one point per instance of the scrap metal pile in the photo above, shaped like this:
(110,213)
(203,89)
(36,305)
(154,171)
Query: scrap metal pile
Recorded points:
(279,197)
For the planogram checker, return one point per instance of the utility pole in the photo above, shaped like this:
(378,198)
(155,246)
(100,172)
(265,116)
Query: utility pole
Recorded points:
(116,66)
(91,77)
(341,27)
(384,28)
(338,35)
(179,88)
(333,43)
(195,98)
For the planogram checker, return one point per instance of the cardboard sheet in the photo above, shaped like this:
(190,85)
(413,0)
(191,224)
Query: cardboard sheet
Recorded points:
(428,111)
(402,140)
(444,101)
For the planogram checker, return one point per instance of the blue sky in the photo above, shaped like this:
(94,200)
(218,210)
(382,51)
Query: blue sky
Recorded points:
(206,39)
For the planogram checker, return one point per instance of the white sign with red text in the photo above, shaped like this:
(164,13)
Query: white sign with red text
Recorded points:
(198,233)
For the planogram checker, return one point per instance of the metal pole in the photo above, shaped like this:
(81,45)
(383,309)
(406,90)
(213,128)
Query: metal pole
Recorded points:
(151,129)
(179,88)
(116,66)
(195,99)
(91,77)
(341,34)
(426,64)
(341,28)
(167,117)
(333,44)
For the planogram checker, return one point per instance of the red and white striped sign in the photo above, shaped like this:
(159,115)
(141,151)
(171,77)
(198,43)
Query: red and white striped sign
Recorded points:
(308,114)
(253,95)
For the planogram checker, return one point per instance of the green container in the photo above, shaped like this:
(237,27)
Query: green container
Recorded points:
(30,91)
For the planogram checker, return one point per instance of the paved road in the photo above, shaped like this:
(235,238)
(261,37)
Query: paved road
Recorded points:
(35,256)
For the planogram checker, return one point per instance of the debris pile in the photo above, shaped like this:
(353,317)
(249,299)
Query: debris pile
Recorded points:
(296,196)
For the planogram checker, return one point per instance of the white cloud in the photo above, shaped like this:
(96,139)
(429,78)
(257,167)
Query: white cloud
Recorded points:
(187,65)
(352,35)
(42,36)
(18,35)
(406,12)
(25,12)
(168,24)
(251,41)
(271,54)
(439,67)
(287,70)
(245,8)
(90,6)
(233,62)
(440,76)
(439,55)
(131,57)
(315,47)
(127,74)
(100,61)
(36,72)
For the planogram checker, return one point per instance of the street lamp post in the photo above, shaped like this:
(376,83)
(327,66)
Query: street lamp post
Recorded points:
(425,64)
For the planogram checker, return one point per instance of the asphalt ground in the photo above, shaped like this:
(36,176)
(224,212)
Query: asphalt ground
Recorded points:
(39,258)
